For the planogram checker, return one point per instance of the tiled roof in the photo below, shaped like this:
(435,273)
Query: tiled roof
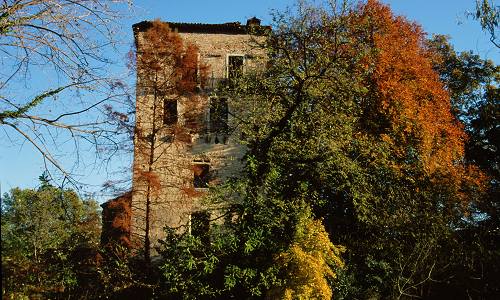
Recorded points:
(225,28)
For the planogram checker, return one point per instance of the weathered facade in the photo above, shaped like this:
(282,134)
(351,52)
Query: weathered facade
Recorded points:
(187,158)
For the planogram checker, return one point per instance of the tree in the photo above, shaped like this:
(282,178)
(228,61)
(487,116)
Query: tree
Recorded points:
(351,141)
(307,264)
(266,247)
(488,15)
(473,86)
(168,71)
(49,241)
(350,121)
(55,76)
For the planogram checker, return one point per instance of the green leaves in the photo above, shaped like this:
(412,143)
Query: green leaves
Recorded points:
(488,15)
(21,111)
(341,151)
(253,240)
(44,235)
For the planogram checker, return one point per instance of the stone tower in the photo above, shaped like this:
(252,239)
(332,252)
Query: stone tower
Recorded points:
(186,163)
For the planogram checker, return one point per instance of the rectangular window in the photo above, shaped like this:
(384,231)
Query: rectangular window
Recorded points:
(235,66)
(218,115)
(200,225)
(190,72)
(169,112)
(201,174)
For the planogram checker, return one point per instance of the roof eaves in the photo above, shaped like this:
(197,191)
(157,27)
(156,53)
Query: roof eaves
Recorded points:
(224,28)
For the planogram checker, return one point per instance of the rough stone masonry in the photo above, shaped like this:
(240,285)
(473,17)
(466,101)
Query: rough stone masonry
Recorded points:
(186,166)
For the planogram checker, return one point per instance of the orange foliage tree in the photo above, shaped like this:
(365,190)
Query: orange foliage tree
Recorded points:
(407,112)
(351,115)
(407,104)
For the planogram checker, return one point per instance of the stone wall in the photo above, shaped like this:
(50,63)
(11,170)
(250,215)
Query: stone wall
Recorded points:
(180,153)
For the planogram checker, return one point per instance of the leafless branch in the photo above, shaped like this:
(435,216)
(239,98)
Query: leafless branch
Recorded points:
(59,51)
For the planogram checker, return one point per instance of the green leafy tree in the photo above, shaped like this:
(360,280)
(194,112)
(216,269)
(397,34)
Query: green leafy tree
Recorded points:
(473,86)
(348,124)
(266,248)
(49,241)
(488,15)
(351,113)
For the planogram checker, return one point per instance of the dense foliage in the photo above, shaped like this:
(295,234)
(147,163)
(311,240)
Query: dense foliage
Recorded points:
(473,86)
(50,239)
(372,172)
(349,124)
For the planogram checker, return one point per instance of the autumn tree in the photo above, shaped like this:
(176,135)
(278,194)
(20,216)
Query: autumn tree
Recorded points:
(351,141)
(168,70)
(350,121)
(55,77)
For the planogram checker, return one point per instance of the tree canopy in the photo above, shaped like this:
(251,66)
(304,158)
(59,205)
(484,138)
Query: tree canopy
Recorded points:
(49,241)
(351,122)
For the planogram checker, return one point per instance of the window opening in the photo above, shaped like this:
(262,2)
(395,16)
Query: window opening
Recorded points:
(169,112)
(218,115)
(201,175)
(235,66)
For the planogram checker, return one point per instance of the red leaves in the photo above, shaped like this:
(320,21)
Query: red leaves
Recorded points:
(151,179)
(116,218)
(407,99)
(164,57)
(408,91)
(191,192)
(192,72)
(160,47)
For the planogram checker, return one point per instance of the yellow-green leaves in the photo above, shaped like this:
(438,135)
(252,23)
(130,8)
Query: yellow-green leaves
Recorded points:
(310,263)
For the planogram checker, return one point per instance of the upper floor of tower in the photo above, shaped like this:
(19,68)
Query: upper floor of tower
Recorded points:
(210,58)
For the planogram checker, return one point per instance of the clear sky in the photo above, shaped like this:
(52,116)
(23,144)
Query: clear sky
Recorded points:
(436,16)
(20,165)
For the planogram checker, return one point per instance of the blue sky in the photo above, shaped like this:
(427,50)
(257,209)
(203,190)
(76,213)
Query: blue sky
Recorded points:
(436,16)
(20,165)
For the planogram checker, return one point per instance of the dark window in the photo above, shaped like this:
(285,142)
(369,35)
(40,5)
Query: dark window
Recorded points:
(169,112)
(235,66)
(200,224)
(201,174)
(218,115)
(191,74)
(195,71)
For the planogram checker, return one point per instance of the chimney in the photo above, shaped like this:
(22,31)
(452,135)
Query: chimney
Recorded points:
(253,22)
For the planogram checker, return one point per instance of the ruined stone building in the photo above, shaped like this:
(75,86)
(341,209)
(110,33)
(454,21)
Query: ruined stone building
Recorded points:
(185,163)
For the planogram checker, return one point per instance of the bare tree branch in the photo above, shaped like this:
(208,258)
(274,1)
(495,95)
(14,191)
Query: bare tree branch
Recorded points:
(55,64)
